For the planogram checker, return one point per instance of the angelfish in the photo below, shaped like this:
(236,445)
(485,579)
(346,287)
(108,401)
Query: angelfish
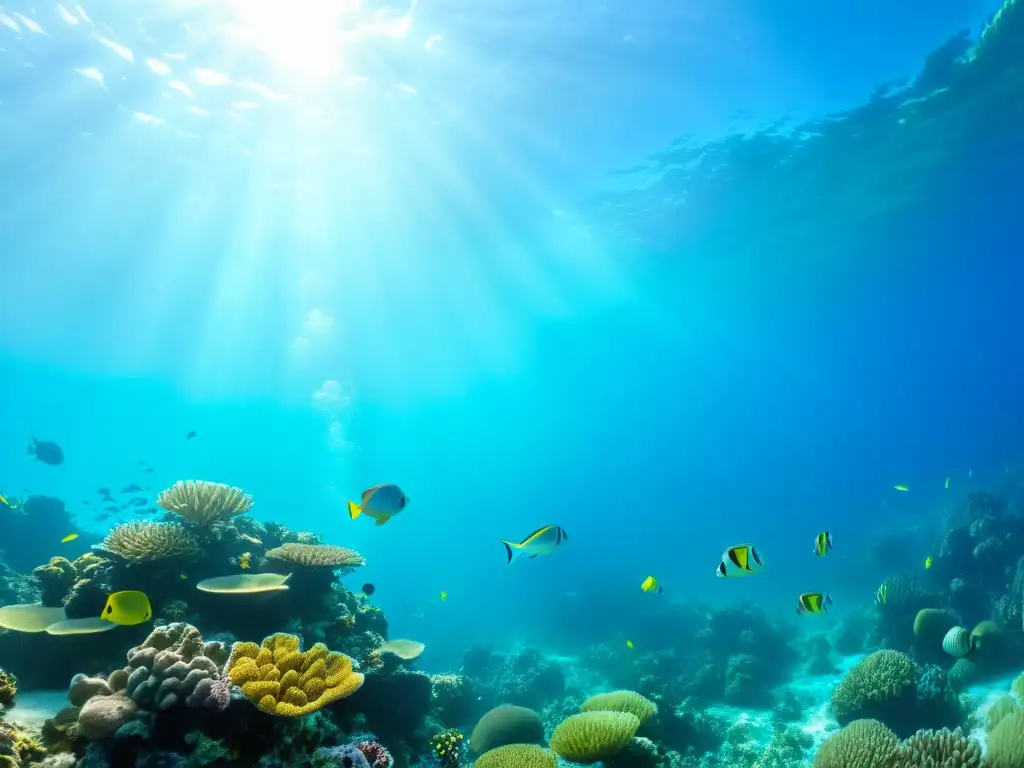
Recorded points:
(381,502)
(543,541)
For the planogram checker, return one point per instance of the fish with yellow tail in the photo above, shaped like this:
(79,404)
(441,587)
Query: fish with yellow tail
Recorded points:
(813,602)
(543,541)
(127,608)
(650,584)
(823,543)
(381,502)
(741,560)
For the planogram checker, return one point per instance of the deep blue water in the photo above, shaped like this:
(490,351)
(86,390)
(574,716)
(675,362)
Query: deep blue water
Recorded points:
(431,241)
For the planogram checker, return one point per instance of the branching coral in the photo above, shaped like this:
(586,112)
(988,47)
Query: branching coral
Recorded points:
(881,687)
(281,679)
(317,556)
(145,542)
(203,503)
(937,749)
(861,744)
(593,736)
(8,689)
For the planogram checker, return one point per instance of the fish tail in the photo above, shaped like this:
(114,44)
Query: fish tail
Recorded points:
(828,599)
(514,551)
(354,510)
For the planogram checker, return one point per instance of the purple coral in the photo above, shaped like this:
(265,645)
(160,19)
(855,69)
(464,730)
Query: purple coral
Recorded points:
(376,755)
(211,693)
(345,756)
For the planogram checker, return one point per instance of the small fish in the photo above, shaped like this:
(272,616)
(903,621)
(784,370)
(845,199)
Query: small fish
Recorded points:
(69,537)
(148,511)
(250,539)
(882,595)
(368,589)
(4,501)
(741,560)
(127,608)
(103,491)
(444,596)
(813,602)
(112,509)
(382,502)
(190,435)
(47,452)
(245,561)
(928,562)
(947,483)
(183,576)
(131,488)
(902,487)
(958,643)
(149,470)
(823,543)
(138,501)
(84,501)
(650,584)
(629,644)
(543,541)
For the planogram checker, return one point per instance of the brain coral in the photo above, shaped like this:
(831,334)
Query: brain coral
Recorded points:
(283,680)
(507,724)
(517,756)
(1006,741)
(880,687)
(593,736)
(621,701)
(145,542)
(861,744)
(203,503)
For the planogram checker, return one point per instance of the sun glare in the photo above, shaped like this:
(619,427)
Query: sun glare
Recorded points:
(304,36)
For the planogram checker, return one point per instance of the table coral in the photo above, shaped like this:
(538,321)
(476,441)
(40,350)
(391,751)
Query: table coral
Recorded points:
(281,679)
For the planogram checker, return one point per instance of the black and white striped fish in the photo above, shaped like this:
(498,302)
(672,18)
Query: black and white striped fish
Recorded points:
(958,643)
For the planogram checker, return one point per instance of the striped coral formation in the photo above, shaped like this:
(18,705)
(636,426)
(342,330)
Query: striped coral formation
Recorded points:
(203,503)
(281,679)
(146,542)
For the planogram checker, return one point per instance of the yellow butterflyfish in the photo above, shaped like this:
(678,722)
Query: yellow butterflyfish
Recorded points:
(127,608)
(650,584)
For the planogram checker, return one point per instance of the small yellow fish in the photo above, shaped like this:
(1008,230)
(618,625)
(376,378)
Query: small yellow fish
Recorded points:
(245,561)
(5,502)
(69,537)
(928,562)
(629,643)
(650,584)
(183,577)
(902,487)
(947,483)
(127,608)
(444,596)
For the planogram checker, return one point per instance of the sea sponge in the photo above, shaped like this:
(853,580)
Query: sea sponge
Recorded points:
(621,701)
(317,556)
(146,542)
(880,687)
(281,679)
(507,724)
(861,744)
(203,503)
(593,736)
(101,716)
(938,749)
(1006,742)
(932,624)
(517,756)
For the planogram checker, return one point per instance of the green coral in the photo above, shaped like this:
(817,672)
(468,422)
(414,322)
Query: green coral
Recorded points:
(881,687)
(55,580)
(593,736)
(1006,741)
(8,688)
(861,744)
(622,701)
(517,756)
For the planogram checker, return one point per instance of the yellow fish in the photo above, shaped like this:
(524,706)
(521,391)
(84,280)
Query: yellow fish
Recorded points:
(650,584)
(69,537)
(543,541)
(245,561)
(444,596)
(127,608)
(629,643)
(823,543)
(6,503)
(382,502)
(928,562)
(902,487)
(947,483)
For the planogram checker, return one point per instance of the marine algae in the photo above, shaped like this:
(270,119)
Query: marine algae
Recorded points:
(281,679)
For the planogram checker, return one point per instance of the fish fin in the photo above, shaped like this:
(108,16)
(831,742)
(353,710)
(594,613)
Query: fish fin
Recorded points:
(383,519)
(828,599)
(514,551)
(354,510)
(286,578)
(535,534)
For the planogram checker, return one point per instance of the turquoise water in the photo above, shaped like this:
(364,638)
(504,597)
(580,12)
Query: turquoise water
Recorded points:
(670,277)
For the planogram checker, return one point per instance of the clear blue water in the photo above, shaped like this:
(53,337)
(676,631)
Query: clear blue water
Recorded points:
(209,215)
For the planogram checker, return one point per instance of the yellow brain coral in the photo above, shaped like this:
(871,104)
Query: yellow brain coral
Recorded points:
(593,736)
(517,756)
(204,503)
(621,701)
(281,679)
(861,744)
(145,542)
(317,556)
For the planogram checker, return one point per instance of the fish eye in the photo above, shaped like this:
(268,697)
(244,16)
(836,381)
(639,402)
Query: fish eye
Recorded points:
(110,609)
